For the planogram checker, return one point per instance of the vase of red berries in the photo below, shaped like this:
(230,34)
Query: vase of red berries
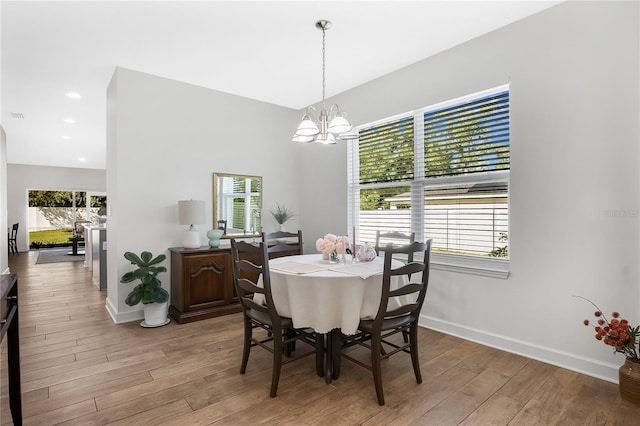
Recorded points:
(617,333)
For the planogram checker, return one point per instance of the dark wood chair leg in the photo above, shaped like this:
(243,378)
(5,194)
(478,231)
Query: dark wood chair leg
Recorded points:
(413,336)
(288,347)
(336,344)
(277,361)
(376,367)
(248,331)
(320,354)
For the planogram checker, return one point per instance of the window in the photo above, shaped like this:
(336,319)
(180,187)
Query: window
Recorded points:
(53,214)
(443,173)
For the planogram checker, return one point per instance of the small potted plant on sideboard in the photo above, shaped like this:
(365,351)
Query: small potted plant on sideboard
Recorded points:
(281,214)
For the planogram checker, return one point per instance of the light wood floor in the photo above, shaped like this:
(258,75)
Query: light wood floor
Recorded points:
(78,367)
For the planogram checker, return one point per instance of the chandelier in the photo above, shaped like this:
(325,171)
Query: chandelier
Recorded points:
(329,125)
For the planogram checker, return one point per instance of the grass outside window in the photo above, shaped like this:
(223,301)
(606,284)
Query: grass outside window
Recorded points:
(50,238)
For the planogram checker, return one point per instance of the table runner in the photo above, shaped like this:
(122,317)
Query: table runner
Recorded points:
(298,267)
(363,270)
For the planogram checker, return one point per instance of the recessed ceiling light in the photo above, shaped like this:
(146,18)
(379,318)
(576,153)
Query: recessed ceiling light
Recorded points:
(66,137)
(82,159)
(69,120)
(73,95)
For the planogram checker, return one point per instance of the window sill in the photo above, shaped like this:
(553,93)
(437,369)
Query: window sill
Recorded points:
(485,266)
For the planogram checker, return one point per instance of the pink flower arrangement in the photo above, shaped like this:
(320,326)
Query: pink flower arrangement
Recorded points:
(331,243)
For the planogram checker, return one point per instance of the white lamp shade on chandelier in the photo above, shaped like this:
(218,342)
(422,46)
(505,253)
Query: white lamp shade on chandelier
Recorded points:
(191,212)
(325,127)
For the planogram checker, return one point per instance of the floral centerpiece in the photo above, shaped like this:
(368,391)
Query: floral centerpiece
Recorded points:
(333,246)
(619,334)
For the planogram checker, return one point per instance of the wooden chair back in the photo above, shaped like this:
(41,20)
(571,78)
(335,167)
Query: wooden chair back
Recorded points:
(383,239)
(393,237)
(282,243)
(222,225)
(250,264)
(13,239)
(411,268)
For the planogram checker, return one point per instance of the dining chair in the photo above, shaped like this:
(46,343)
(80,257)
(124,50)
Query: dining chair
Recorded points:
(283,243)
(393,237)
(374,333)
(13,239)
(222,225)
(252,277)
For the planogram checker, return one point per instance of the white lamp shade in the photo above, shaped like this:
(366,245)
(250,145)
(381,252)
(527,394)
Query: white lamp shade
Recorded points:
(307,127)
(327,139)
(339,124)
(302,139)
(191,212)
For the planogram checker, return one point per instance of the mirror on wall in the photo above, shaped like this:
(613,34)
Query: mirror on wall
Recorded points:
(237,204)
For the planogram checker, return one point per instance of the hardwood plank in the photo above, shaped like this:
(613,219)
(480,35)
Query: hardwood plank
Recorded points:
(457,406)
(409,405)
(60,415)
(548,404)
(60,399)
(527,381)
(42,379)
(135,405)
(156,415)
(497,410)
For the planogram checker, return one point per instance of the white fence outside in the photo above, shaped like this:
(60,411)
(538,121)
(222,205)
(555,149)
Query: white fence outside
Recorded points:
(49,218)
(475,228)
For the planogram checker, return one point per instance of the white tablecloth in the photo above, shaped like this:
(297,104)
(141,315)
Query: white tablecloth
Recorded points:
(327,296)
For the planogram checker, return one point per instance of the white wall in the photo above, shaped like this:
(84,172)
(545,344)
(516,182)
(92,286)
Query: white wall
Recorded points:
(4,244)
(573,71)
(165,139)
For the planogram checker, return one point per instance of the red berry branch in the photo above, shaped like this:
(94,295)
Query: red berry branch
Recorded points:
(616,333)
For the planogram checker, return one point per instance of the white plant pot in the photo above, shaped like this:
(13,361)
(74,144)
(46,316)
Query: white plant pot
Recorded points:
(155,314)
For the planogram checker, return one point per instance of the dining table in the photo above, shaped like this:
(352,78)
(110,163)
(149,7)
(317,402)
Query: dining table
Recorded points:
(331,298)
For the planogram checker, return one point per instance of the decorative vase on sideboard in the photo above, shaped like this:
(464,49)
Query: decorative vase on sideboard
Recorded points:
(629,379)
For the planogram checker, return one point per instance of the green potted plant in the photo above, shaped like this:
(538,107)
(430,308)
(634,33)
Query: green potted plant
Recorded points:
(281,214)
(149,291)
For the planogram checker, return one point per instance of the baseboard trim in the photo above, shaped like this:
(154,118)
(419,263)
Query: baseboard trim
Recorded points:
(122,317)
(583,365)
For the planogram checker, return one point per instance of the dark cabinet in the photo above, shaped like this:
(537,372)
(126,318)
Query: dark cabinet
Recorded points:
(201,284)
(10,366)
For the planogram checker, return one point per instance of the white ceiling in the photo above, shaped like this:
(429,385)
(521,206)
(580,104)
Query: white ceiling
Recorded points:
(264,50)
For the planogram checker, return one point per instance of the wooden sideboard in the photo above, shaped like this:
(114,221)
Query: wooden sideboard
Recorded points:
(202,283)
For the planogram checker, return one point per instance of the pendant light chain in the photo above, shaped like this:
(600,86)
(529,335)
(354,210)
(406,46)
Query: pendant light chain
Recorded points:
(323,66)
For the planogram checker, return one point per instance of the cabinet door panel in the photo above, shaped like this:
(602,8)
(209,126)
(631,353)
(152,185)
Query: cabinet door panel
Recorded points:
(206,279)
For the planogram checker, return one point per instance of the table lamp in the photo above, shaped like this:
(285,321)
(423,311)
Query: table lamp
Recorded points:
(191,212)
